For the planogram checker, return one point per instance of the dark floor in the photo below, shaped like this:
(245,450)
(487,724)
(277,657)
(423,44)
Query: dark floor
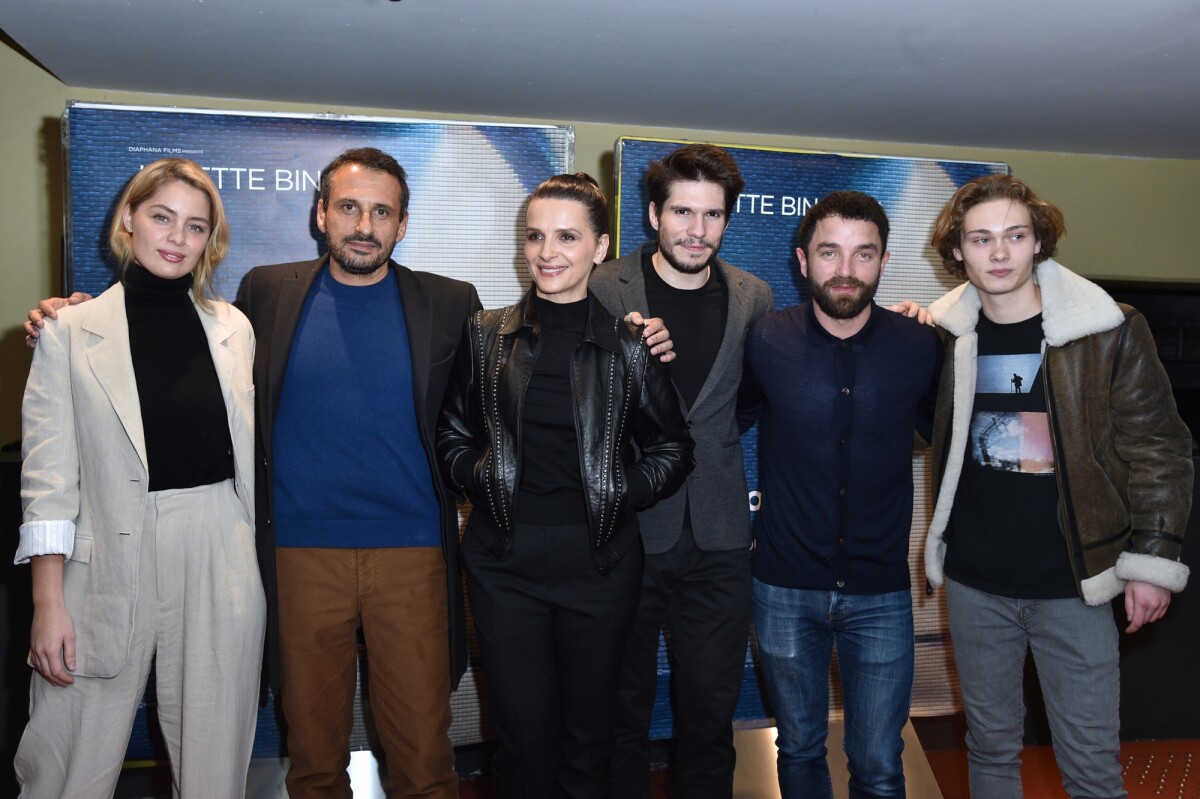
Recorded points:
(1152,768)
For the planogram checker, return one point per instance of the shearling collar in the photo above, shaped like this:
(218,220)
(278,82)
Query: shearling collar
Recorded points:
(1072,306)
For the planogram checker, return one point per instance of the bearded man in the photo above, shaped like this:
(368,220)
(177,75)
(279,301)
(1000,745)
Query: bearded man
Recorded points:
(696,580)
(838,387)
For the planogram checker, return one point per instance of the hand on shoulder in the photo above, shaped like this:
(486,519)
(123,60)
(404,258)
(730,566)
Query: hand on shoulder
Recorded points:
(48,309)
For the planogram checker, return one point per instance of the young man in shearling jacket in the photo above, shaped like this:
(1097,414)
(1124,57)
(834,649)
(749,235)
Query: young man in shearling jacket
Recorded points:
(1065,478)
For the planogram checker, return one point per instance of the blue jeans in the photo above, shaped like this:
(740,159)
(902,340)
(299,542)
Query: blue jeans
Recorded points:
(797,631)
(1075,651)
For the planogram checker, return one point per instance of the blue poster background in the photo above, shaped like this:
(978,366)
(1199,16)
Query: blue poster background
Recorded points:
(267,168)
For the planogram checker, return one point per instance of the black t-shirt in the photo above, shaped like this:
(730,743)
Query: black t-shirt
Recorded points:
(696,319)
(1004,536)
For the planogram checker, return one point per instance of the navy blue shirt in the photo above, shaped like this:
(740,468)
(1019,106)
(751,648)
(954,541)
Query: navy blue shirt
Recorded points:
(836,422)
(350,468)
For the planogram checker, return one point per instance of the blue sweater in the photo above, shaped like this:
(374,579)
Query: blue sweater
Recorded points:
(350,468)
(836,422)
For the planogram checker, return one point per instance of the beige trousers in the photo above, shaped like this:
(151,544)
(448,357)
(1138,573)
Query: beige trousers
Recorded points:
(200,617)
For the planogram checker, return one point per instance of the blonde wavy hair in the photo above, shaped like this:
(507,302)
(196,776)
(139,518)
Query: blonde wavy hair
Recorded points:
(142,187)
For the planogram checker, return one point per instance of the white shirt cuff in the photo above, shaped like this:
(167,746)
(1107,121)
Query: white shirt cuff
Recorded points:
(52,537)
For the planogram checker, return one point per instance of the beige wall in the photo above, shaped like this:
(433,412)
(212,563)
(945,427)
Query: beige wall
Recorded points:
(1135,218)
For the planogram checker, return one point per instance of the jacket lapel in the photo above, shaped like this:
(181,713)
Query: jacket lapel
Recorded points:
(112,365)
(289,303)
(418,320)
(730,353)
(633,283)
(231,363)
(218,333)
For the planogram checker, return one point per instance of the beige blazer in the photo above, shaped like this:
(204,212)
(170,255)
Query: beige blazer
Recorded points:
(84,476)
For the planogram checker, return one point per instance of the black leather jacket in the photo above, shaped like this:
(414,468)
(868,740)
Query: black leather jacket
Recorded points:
(622,396)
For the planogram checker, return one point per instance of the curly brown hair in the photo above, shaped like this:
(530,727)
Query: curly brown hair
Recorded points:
(1048,223)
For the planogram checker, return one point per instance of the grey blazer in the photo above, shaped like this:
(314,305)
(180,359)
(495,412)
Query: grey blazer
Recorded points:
(716,488)
(84,480)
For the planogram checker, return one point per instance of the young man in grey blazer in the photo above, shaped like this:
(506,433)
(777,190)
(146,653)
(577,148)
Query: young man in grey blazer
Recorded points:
(697,568)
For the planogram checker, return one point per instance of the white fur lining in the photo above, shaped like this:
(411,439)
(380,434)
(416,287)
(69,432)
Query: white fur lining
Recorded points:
(1102,588)
(1169,574)
(1110,583)
(1072,306)
(957,311)
(964,397)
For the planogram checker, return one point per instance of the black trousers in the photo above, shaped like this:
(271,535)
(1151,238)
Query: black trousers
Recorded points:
(703,598)
(552,632)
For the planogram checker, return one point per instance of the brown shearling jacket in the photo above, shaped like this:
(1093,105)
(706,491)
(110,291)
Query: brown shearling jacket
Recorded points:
(1122,454)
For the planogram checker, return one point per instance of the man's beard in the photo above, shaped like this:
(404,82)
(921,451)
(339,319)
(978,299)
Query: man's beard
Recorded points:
(842,306)
(687,268)
(355,264)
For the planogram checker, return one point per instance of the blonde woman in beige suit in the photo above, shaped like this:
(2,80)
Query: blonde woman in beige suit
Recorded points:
(138,488)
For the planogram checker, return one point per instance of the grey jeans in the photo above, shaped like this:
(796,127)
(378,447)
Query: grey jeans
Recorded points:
(1075,651)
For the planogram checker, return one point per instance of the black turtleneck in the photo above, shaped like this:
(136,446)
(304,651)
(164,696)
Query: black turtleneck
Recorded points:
(183,411)
(551,490)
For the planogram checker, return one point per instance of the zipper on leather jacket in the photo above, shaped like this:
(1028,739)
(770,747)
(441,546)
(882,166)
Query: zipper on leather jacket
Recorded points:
(491,402)
(608,476)
(631,369)
(519,432)
(595,535)
(1066,515)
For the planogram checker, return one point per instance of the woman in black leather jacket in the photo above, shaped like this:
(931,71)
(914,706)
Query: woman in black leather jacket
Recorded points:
(558,426)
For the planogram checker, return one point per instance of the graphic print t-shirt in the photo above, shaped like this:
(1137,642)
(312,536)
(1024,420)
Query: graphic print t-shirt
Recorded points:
(1004,536)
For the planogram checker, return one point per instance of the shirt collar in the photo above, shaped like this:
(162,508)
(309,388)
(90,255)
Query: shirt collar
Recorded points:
(826,339)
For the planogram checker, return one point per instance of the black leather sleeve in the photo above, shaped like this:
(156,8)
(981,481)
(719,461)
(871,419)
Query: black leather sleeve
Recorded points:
(461,426)
(660,430)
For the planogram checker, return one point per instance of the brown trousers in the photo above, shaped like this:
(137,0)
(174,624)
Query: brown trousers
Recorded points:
(398,596)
